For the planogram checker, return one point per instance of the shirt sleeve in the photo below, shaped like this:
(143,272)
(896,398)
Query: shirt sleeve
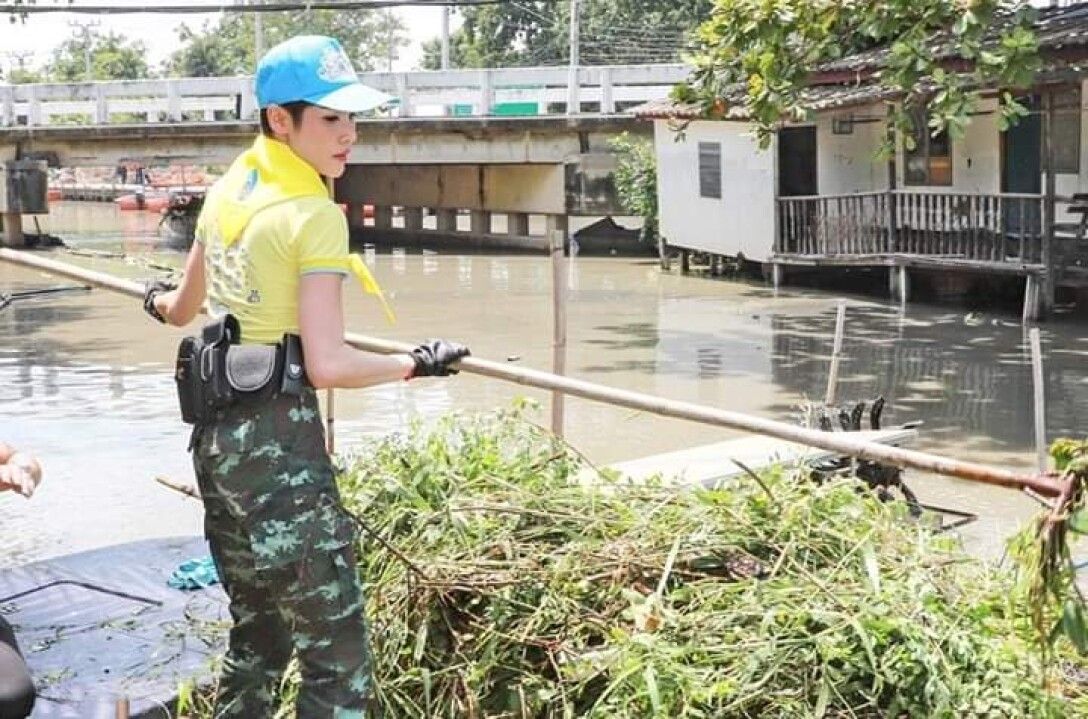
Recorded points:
(322,242)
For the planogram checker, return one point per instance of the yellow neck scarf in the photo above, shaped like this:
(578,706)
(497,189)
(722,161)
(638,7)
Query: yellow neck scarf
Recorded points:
(266,174)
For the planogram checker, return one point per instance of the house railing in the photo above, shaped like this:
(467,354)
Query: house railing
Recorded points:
(994,228)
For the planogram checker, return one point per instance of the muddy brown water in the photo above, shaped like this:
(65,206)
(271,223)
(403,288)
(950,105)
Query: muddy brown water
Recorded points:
(85,377)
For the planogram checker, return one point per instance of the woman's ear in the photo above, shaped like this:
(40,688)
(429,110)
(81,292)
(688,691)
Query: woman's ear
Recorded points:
(279,121)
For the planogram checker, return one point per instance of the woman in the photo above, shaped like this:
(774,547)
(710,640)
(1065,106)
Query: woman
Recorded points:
(271,251)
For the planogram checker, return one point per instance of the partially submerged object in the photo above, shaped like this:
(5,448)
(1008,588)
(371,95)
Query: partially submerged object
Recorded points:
(102,626)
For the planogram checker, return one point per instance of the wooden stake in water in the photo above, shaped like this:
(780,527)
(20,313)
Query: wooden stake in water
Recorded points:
(1039,392)
(836,350)
(123,708)
(559,332)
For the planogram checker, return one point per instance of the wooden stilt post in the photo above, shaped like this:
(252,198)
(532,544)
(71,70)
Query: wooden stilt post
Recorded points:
(1039,395)
(123,708)
(685,262)
(1047,288)
(902,284)
(836,351)
(1031,299)
(559,332)
(777,273)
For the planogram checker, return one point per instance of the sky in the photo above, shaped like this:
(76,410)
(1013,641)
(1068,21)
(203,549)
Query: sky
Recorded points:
(41,33)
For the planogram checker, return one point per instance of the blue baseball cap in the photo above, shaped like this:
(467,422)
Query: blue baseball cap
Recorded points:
(313,69)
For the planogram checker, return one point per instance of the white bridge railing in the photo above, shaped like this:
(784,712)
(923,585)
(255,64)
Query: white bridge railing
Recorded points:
(507,91)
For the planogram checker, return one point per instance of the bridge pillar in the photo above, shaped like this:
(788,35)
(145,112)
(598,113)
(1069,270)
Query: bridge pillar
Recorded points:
(413,219)
(446,219)
(101,106)
(13,229)
(555,223)
(383,217)
(517,224)
(481,222)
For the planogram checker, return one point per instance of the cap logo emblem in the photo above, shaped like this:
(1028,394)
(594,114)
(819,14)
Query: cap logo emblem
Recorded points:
(336,67)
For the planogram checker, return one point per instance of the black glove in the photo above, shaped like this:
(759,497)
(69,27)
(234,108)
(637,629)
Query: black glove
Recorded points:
(153,289)
(434,357)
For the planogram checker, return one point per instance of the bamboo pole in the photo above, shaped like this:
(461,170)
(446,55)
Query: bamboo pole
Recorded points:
(559,327)
(836,350)
(840,442)
(1039,397)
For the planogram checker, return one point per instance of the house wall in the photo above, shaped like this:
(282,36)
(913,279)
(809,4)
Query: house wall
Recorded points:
(847,163)
(742,221)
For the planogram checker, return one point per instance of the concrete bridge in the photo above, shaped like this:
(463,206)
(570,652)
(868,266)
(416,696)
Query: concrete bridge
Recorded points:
(482,141)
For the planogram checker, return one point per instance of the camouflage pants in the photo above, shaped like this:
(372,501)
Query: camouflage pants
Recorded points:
(284,550)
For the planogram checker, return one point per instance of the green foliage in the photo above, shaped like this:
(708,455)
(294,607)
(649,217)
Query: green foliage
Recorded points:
(225,48)
(113,57)
(769,48)
(520,589)
(537,32)
(23,76)
(636,181)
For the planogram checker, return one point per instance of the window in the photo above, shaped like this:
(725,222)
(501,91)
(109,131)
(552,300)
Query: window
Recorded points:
(1066,135)
(930,162)
(710,170)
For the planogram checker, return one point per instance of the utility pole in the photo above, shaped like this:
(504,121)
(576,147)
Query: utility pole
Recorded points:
(16,58)
(445,37)
(573,91)
(258,33)
(84,27)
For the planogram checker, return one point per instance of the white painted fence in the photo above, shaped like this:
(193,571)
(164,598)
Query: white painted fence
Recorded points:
(420,94)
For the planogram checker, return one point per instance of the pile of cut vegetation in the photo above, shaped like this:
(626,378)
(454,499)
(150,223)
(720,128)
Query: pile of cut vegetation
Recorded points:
(500,585)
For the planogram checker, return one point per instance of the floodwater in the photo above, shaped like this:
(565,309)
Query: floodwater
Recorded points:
(85,377)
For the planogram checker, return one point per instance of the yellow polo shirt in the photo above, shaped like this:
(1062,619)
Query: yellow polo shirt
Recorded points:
(256,278)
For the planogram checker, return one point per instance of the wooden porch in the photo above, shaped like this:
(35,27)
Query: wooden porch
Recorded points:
(1006,233)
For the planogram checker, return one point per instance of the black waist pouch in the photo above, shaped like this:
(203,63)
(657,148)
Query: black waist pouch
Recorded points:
(200,371)
(213,371)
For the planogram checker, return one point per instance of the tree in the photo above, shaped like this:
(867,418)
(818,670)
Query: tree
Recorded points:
(636,181)
(766,51)
(538,33)
(371,38)
(112,57)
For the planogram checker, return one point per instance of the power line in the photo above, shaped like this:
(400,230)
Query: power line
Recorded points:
(12,9)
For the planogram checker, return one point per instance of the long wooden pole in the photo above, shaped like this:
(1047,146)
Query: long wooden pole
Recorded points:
(1039,397)
(840,442)
(836,350)
(559,328)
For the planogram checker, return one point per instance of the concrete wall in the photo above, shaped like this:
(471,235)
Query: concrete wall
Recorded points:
(742,221)
(537,189)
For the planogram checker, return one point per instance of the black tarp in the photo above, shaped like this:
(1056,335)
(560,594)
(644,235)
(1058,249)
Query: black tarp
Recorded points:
(101,625)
